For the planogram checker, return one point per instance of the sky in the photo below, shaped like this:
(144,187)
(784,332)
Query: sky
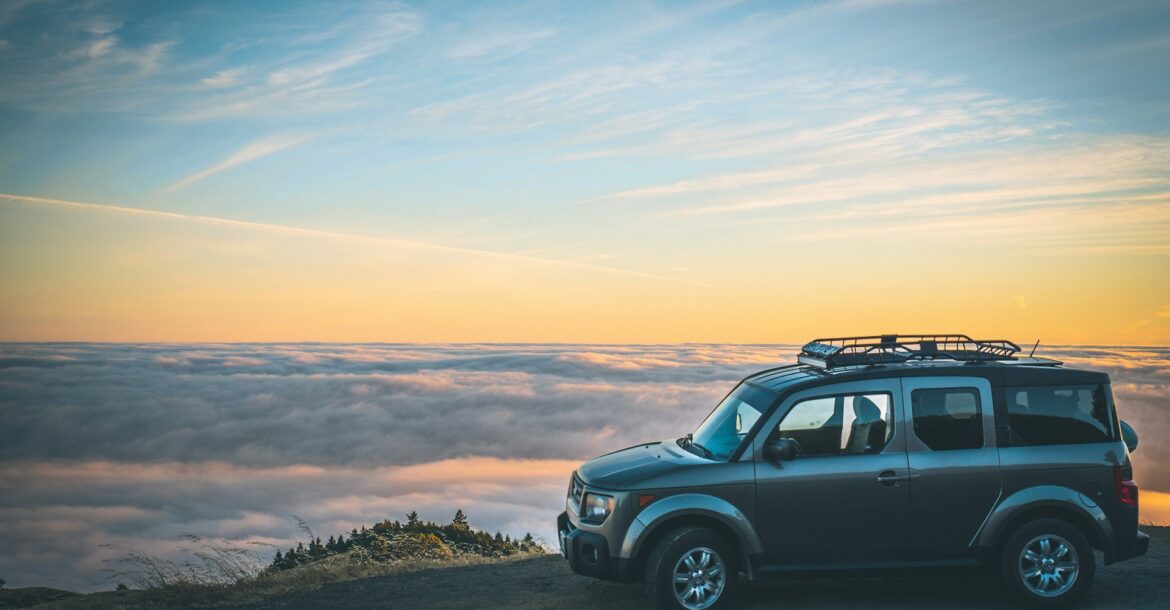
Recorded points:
(627,172)
(111,447)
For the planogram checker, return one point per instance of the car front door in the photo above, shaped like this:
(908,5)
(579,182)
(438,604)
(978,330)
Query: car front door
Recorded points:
(845,497)
(954,462)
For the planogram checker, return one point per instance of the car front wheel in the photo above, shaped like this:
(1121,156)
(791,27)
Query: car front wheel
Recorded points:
(691,568)
(1047,563)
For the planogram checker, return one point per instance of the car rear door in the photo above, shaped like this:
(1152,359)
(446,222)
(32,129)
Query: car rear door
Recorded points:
(954,462)
(840,502)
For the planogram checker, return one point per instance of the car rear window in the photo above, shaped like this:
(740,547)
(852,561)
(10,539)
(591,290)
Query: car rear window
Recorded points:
(1060,415)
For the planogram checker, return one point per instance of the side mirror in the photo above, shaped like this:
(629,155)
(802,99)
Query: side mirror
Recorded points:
(1129,436)
(781,449)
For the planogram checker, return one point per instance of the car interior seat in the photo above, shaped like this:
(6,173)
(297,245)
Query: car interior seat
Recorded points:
(868,432)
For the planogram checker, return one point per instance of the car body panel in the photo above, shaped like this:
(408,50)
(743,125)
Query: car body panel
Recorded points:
(1041,497)
(952,491)
(812,502)
(726,509)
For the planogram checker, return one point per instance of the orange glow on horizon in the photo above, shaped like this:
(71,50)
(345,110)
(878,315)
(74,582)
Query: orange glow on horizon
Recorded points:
(109,277)
(1154,507)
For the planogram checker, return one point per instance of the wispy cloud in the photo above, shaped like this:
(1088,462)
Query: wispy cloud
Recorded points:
(316,233)
(100,47)
(718,183)
(83,60)
(223,78)
(499,42)
(251,152)
(321,72)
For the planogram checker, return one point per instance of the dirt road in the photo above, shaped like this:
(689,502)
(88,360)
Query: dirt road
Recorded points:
(547,583)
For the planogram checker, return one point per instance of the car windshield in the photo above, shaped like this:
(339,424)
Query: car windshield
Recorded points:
(719,435)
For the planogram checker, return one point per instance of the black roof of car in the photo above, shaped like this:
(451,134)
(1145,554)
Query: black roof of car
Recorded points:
(842,359)
(1000,374)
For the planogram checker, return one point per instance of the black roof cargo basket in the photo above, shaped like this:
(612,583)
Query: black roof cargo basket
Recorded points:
(892,349)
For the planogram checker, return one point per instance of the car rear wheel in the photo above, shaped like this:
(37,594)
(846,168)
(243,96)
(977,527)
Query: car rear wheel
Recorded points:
(1047,563)
(691,568)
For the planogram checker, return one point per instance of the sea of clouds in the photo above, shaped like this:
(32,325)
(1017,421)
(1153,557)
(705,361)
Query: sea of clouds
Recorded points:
(135,445)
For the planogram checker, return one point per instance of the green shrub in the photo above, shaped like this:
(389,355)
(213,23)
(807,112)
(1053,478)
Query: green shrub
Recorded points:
(414,539)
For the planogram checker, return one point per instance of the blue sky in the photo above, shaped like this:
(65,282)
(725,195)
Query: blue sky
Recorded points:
(708,143)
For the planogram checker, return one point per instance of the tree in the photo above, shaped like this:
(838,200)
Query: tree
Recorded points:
(1,583)
(412,520)
(460,519)
(278,561)
(122,587)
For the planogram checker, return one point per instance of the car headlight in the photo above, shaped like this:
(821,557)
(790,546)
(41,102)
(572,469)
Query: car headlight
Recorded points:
(596,507)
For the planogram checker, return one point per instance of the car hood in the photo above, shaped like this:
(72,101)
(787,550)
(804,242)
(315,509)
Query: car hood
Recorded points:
(636,467)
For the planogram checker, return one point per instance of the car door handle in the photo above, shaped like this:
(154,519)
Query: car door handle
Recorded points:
(889,478)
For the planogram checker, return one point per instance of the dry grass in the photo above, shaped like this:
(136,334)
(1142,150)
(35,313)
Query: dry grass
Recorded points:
(211,569)
(218,573)
(348,566)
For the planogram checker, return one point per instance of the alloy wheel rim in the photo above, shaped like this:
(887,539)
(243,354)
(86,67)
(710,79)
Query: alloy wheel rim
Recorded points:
(699,578)
(1048,565)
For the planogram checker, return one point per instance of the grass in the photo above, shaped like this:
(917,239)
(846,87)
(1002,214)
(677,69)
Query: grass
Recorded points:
(163,584)
(215,571)
(211,568)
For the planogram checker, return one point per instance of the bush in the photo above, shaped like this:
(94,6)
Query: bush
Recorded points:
(414,539)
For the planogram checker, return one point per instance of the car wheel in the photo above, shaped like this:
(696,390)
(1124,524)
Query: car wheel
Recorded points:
(1047,563)
(691,568)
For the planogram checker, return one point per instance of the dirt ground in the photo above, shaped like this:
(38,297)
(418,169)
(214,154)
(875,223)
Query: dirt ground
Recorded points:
(546,582)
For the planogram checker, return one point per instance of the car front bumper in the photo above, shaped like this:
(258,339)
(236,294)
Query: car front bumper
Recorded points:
(588,553)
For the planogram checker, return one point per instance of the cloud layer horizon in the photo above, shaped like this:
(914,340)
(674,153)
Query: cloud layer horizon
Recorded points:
(135,445)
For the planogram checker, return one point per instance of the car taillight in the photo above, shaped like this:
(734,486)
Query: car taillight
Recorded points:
(1127,490)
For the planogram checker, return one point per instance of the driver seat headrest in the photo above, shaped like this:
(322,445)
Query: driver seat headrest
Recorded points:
(866,410)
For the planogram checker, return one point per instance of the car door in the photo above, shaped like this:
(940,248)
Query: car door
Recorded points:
(954,462)
(845,498)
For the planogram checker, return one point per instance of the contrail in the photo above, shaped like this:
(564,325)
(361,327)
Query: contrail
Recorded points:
(317,233)
(256,150)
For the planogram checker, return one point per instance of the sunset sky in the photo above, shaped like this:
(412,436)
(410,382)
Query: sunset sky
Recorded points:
(634,172)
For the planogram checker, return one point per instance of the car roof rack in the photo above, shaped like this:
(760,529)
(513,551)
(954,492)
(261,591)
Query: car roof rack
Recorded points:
(836,352)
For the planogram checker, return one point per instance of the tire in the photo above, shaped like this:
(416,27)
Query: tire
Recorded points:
(1047,563)
(704,591)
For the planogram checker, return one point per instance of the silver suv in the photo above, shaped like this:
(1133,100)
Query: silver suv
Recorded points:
(871,452)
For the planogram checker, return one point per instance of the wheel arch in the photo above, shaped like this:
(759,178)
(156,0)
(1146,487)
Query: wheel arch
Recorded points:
(700,510)
(1043,502)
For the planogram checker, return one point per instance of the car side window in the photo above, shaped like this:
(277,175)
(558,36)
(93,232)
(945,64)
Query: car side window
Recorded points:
(839,425)
(947,418)
(1059,415)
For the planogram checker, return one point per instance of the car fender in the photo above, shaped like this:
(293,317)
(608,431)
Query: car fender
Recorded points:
(1043,496)
(695,504)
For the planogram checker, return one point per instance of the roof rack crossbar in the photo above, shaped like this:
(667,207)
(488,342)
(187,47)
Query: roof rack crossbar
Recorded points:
(836,352)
